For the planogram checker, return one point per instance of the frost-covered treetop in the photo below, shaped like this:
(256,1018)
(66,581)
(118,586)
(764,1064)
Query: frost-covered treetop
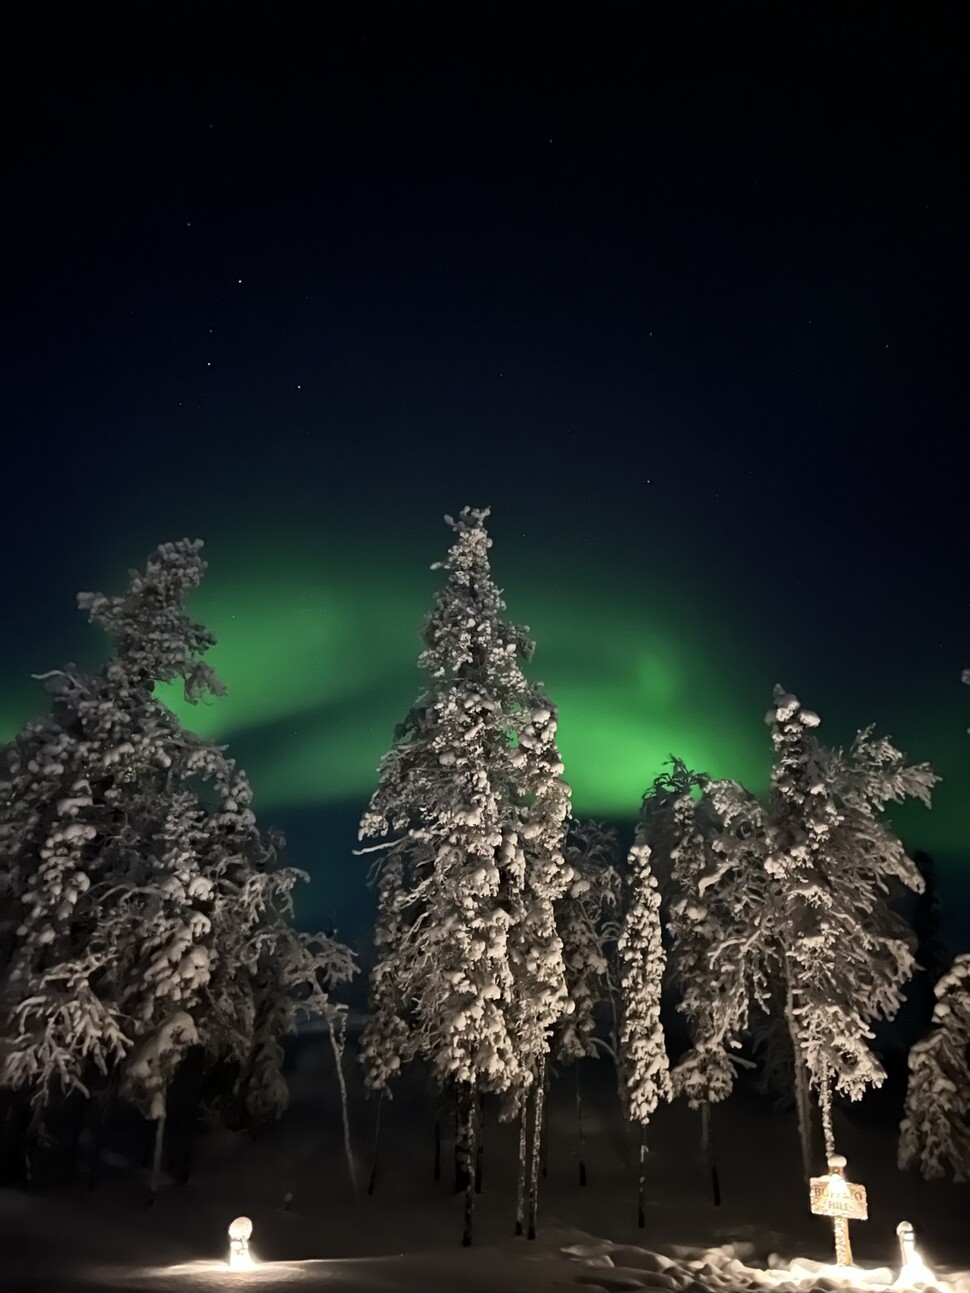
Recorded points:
(804,813)
(478,705)
(155,639)
(465,635)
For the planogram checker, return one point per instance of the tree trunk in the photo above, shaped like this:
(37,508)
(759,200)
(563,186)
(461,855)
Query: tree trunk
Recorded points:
(13,1148)
(825,1104)
(544,1141)
(77,1110)
(618,1057)
(337,1046)
(580,1134)
(372,1182)
(710,1157)
(642,1180)
(157,1156)
(480,1147)
(803,1102)
(469,1139)
(462,1152)
(32,1144)
(104,1109)
(523,1160)
(537,1126)
(190,1079)
(187,1156)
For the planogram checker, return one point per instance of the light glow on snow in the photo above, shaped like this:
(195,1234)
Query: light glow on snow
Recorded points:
(212,1275)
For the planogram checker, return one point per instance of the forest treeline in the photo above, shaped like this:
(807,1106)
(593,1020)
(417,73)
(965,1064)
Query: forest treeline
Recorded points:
(149,963)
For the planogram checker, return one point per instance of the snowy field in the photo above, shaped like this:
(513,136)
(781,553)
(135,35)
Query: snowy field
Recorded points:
(406,1237)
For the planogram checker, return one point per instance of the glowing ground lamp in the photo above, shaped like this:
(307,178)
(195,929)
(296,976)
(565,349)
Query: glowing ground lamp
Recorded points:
(240,1233)
(913,1270)
(833,1196)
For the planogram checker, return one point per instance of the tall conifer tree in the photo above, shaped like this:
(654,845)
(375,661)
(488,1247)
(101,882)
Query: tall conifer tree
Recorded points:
(150,914)
(469,813)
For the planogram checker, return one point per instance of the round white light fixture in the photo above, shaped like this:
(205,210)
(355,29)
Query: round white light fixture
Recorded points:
(240,1233)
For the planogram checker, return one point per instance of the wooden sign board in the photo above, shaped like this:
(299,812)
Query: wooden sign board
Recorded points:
(834,1196)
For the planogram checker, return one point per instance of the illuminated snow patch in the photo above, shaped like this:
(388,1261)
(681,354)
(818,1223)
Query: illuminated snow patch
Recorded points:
(727,1270)
(205,1275)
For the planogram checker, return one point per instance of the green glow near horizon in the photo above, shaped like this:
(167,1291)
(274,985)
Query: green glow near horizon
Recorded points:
(320,670)
(319,661)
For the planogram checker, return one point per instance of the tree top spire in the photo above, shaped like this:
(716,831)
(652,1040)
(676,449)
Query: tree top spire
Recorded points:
(155,639)
(469,518)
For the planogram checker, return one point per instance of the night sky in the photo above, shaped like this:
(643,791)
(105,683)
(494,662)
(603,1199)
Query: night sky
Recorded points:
(680,291)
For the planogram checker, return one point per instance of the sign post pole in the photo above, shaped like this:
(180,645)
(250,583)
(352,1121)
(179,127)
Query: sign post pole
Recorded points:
(833,1196)
(843,1249)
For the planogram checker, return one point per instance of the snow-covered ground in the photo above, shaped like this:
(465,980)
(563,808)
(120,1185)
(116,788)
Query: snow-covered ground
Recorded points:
(406,1236)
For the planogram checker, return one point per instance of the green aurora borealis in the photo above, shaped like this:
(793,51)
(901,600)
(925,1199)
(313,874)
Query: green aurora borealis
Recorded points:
(319,654)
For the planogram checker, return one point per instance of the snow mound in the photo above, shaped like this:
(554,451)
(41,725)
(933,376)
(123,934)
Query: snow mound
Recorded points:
(724,1270)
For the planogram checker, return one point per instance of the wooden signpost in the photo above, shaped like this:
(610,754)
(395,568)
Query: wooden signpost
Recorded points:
(833,1196)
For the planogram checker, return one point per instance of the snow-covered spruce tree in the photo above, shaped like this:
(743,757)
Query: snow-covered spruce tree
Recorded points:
(934,1135)
(470,814)
(586,917)
(718,900)
(643,1052)
(540,997)
(833,864)
(149,912)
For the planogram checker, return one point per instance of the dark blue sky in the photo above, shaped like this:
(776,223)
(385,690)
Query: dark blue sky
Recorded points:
(679,290)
